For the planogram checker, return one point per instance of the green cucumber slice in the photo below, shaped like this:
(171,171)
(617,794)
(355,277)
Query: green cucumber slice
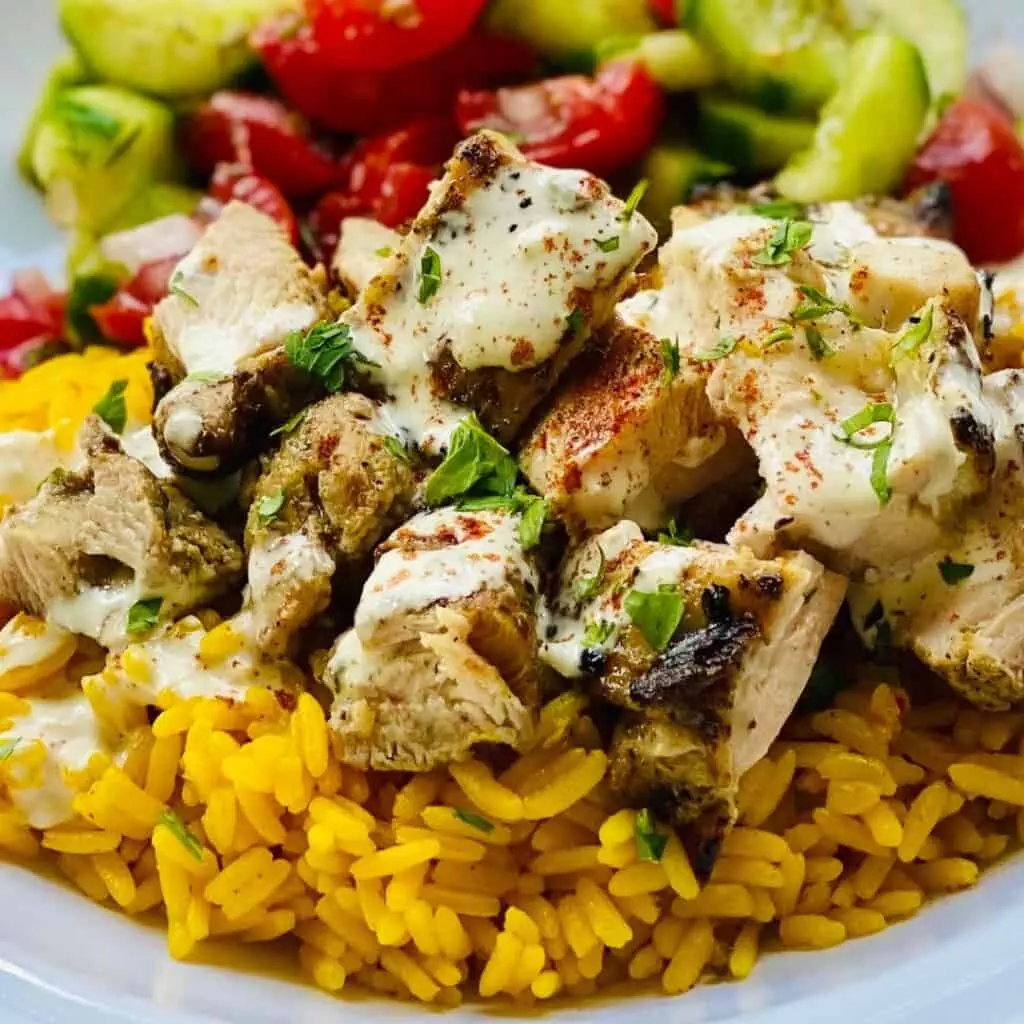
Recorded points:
(748,138)
(673,171)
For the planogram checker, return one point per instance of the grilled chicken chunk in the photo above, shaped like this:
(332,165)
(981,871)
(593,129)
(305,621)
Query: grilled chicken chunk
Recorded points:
(699,712)
(494,291)
(443,654)
(1002,320)
(234,300)
(91,544)
(331,492)
(960,609)
(364,247)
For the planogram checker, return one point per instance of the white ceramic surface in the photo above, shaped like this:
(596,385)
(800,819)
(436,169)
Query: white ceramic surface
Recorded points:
(64,960)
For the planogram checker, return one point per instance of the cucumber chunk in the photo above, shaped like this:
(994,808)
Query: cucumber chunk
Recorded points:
(783,55)
(96,149)
(673,171)
(868,131)
(167,48)
(748,138)
(570,31)
(676,61)
(67,72)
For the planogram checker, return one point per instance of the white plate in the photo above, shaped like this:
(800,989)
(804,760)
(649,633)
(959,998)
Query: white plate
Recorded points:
(64,960)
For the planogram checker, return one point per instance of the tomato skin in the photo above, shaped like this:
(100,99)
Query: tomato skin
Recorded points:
(359,36)
(665,11)
(264,135)
(976,151)
(599,124)
(370,102)
(231,181)
(31,318)
(121,319)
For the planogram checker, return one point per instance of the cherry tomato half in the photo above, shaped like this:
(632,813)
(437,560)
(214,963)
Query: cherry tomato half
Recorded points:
(665,11)
(264,135)
(382,34)
(599,124)
(372,101)
(122,319)
(976,151)
(232,181)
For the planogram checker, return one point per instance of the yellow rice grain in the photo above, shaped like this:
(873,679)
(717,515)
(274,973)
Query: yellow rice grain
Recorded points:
(823,869)
(592,963)
(793,869)
(690,959)
(946,874)
(162,768)
(80,841)
(767,791)
(850,729)
(558,834)
(716,900)
(844,895)
(858,921)
(325,971)
(501,966)
(404,888)
(619,828)
(756,843)
(396,858)
(847,831)
(147,896)
(747,871)
(811,931)
(815,898)
(465,904)
(443,971)
(898,903)
(445,820)
(884,825)
(976,780)
(83,873)
(678,870)
(575,926)
(851,798)
(116,877)
(637,879)
(922,816)
(562,862)
(993,847)
(620,856)
(566,789)
(744,951)
(419,919)
(604,917)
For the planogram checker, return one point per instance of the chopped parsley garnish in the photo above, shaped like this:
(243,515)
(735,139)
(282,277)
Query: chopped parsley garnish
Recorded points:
(7,748)
(177,289)
(533,516)
(670,357)
(650,842)
(205,377)
(430,275)
(955,572)
(913,337)
(575,321)
(398,450)
(607,244)
(672,534)
(111,408)
(384,251)
(268,507)
(476,466)
(144,615)
(656,614)
(290,426)
(780,209)
(875,412)
(598,633)
(182,833)
(780,334)
(880,473)
(325,351)
(91,120)
(473,820)
(587,587)
(790,236)
(639,191)
(819,347)
(816,304)
(725,346)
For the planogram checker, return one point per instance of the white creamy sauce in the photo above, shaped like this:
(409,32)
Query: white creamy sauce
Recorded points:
(481,551)
(141,444)
(293,557)
(26,642)
(511,260)
(100,613)
(838,227)
(27,458)
(68,729)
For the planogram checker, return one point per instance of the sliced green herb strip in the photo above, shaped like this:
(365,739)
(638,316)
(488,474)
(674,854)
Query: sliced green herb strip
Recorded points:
(876,412)
(395,447)
(880,472)
(325,351)
(914,336)
(430,275)
(476,466)
(205,377)
(144,615)
(673,534)
(820,348)
(575,321)
(587,587)
(81,116)
(607,244)
(111,408)
(177,289)
(790,236)
(531,524)
(650,842)
(670,358)
(656,614)
(473,820)
(817,304)
(598,632)
(384,251)
(955,572)
(182,833)
(780,209)
(270,505)
(8,747)
(291,425)
(777,336)
(635,197)
(724,347)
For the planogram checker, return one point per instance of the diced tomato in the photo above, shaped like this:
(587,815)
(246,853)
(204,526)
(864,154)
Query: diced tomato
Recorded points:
(600,124)
(665,11)
(121,319)
(381,34)
(263,135)
(31,318)
(231,181)
(976,151)
(372,101)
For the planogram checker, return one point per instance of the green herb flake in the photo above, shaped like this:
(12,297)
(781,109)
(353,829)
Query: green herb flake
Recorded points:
(111,408)
(723,348)
(819,347)
(87,292)
(650,842)
(430,275)
(656,614)
(780,209)
(8,747)
(576,322)
(880,473)
(635,197)
(913,336)
(205,377)
(183,834)
(473,820)
(144,615)
(178,290)
(954,573)
(875,412)
(290,426)
(384,251)
(534,514)
(588,587)
(673,534)
(397,450)
(268,507)
(670,357)
(608,244)
(326,352)
(790,237)
(91,120)
(816,304)
(476,466)
(598,633)
(776,337)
